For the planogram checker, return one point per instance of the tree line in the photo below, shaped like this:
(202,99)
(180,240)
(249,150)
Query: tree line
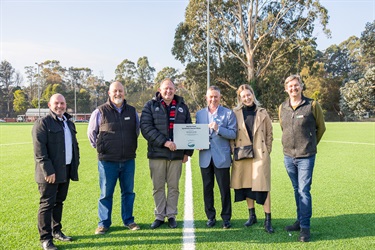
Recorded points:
(256,42)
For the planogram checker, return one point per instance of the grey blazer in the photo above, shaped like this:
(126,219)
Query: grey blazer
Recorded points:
(219,149)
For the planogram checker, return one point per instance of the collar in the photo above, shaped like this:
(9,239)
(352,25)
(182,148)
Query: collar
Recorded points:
(215,112)
(63,119)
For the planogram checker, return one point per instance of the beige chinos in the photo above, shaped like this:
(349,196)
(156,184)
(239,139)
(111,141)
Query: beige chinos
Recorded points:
(165,172)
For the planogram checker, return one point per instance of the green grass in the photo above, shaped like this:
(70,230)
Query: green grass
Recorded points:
(343,199)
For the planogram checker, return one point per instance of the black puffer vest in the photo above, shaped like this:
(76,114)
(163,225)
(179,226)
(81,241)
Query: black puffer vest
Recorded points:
(117,139)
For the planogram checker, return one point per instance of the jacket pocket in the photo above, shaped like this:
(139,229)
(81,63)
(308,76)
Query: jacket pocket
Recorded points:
(55,135)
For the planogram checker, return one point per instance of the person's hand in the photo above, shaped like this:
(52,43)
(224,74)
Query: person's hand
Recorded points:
(171,145)
(50,178)
(186,158)
(213,126)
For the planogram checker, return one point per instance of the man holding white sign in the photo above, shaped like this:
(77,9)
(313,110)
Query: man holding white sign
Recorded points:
(216,160)
(159,116)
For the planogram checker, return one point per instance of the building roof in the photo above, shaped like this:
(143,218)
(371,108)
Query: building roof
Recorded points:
(35,112)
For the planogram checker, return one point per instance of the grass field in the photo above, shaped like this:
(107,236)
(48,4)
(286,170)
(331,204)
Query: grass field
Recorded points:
(343,199)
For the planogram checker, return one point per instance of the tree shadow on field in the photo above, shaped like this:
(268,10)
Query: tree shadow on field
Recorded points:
(346,226)
(120,237)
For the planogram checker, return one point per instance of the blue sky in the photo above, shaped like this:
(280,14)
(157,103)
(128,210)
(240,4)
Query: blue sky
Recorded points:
(100,34)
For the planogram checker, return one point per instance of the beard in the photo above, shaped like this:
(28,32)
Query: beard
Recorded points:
(118,101)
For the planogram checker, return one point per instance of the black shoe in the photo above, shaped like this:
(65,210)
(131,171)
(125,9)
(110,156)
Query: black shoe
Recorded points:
(251,221)
(268,227)
(211,222)
(226,224)
(294,227)
(156,224)
(48,245)
(61,236)
(172,223)
(268,224)
(304,235)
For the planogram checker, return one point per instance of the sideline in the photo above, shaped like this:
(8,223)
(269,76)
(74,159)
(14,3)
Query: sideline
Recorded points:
(341,142)
(348,142)
(275,139)
(188,230)
(23,143)
(16,143)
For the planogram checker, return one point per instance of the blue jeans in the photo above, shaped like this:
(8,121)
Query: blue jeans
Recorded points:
(109,172)
(300,171)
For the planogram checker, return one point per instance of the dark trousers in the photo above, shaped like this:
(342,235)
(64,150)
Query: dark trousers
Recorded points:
(223,180)
(52,197)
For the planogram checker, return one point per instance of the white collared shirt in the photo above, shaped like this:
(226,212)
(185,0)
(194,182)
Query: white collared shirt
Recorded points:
(212,117)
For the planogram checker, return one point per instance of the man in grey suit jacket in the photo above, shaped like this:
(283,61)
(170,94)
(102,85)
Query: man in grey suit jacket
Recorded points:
(216,161)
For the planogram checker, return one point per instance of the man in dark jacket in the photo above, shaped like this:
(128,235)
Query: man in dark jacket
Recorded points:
(113,130)
(165,162)
(56,155)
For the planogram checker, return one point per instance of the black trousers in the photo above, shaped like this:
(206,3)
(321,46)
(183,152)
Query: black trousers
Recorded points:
(223,180)
(52,197)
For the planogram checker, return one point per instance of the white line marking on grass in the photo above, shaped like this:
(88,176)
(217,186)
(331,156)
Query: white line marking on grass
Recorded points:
(22,143)
(342,142)
(188,231)
(17,143)
(349,142)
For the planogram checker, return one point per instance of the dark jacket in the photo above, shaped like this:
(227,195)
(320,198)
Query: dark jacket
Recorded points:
(49,149)
(299,129)
(117,139)
(154,127)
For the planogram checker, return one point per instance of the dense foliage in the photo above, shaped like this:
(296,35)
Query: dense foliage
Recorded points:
(255,42)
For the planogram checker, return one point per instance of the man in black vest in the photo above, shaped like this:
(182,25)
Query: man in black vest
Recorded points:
(302,125)
(113,130)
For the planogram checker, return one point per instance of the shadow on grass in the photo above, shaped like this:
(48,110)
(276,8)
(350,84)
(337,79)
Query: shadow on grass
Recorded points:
(335,228)
(121,237)
(348,226)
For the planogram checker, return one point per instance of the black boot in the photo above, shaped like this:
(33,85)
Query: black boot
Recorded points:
(304,235)
(294,227)
(252,218)
(267,223)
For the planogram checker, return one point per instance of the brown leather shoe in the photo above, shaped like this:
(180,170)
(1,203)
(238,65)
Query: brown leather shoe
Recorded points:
(101,230)
(133,226)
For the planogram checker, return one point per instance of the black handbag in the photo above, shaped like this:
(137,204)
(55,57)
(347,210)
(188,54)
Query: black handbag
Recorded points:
(245,152)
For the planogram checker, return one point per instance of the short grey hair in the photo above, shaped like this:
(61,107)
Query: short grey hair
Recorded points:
(293,77)
(215,88)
